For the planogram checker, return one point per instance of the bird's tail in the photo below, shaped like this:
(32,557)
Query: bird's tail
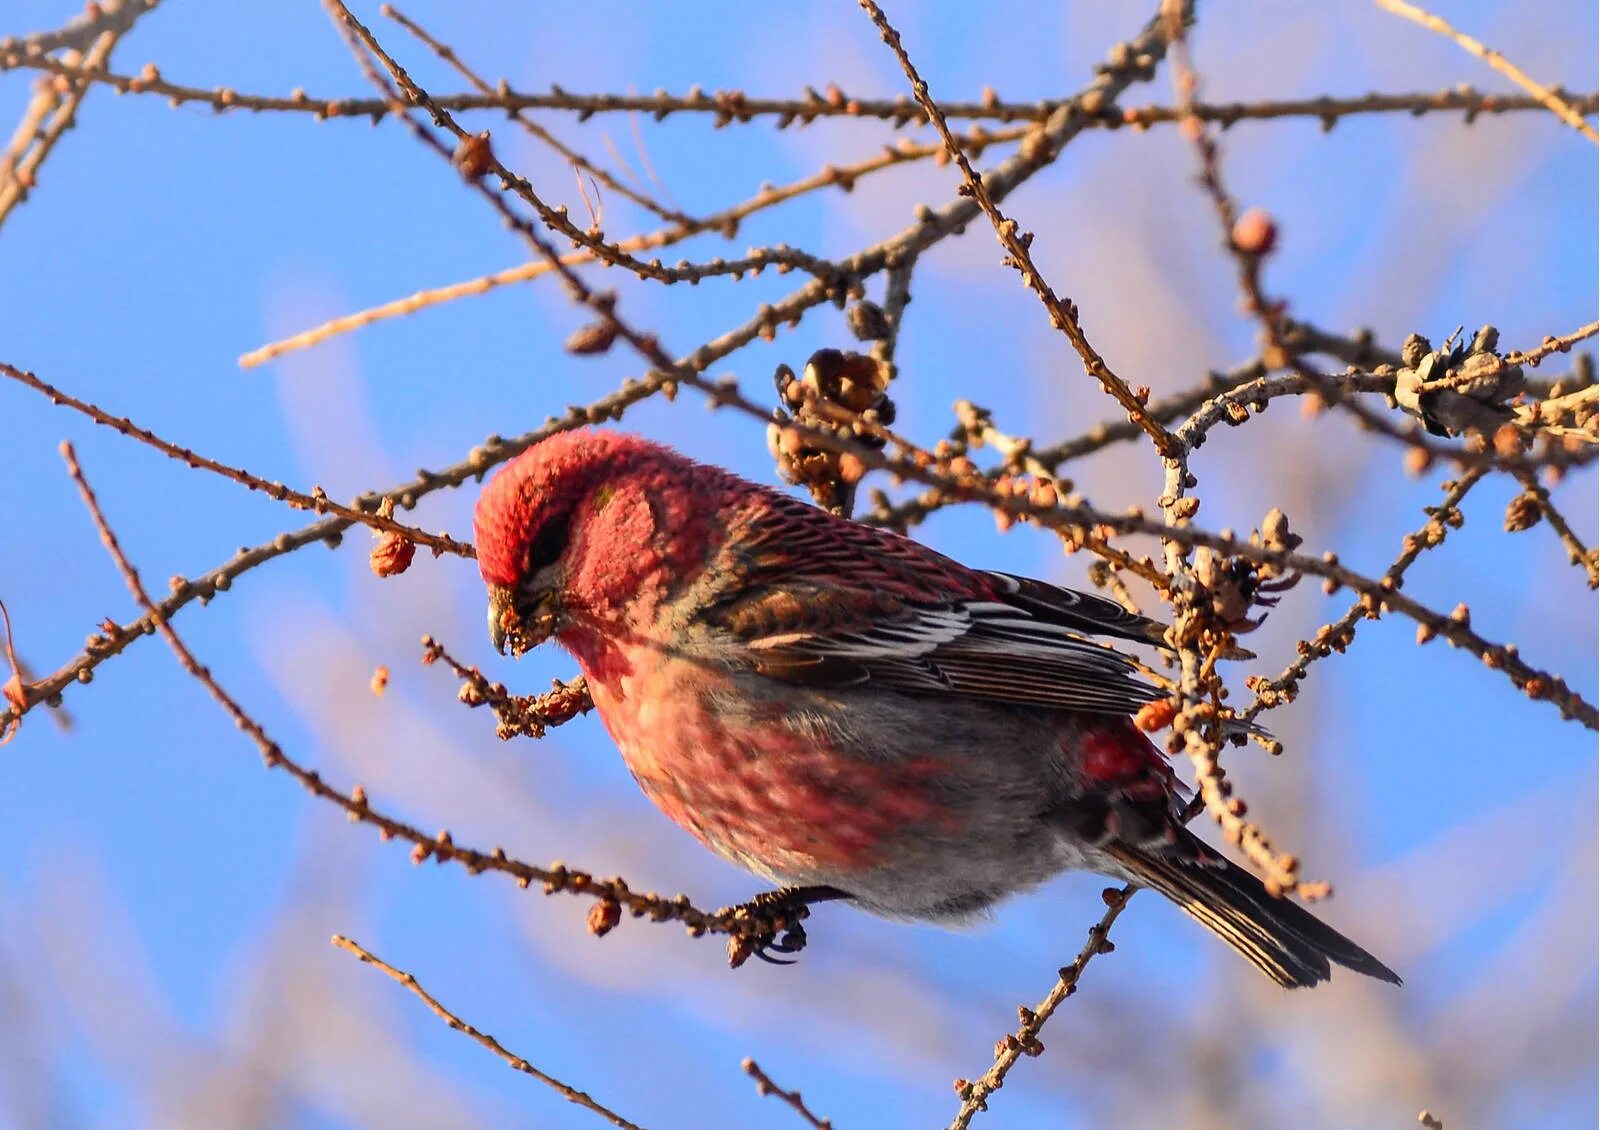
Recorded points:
(1282,939)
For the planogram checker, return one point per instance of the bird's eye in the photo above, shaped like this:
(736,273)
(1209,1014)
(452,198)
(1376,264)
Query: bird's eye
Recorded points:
(548,545)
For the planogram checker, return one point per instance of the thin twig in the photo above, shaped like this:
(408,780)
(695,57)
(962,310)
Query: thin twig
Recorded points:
(115,16)
(1546,96)
(316,501)
(516,1062)
(517,715)
(15,689)
(486,163)
(1338,635)
(1063,312)
(792,1099)
(975,1095)
(725,222)
(448,54)
(53,111)
(730,107)
(1578,554)
(1551,345)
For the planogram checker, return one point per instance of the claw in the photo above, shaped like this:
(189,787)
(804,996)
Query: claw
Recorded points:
(778,914)
(1281,584)
(792,940)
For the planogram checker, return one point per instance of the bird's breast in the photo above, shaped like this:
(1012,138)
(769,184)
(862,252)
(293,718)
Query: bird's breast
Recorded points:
(775,798)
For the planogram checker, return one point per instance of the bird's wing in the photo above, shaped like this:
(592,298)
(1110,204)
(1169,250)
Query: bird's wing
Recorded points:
(821,601)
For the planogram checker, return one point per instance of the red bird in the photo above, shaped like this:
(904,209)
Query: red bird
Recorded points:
(848,713)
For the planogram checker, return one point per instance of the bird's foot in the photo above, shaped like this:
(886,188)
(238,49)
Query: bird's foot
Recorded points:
(774,928)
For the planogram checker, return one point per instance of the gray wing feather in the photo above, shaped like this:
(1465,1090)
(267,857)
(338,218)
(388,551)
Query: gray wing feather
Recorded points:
(979,648)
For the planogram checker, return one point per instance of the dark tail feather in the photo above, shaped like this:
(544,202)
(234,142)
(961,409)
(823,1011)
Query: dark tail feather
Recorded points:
(1282,939)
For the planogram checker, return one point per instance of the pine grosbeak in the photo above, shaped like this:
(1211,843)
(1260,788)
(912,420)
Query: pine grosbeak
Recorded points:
(837,707)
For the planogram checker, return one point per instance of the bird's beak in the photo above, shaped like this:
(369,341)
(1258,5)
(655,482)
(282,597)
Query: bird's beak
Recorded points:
(502,616)
(516,632)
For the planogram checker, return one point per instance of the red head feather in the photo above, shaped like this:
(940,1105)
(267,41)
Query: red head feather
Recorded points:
(626,506)
(543,485)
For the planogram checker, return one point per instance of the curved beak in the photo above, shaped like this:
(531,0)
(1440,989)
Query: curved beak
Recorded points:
(502,616)
(516,632)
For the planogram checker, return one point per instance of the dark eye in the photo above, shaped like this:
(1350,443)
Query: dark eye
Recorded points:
(548,545)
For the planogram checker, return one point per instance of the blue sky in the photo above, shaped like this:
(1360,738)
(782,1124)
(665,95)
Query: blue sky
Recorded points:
(169,902)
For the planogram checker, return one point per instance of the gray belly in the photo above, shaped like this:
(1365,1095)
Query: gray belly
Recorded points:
(998,772)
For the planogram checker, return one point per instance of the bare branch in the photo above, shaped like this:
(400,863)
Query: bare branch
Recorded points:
(110,16)
(316,501)
(974,1095)
(732,107)
(725,223)
(791,1099)
(518,715)
(54,107)
(1063,312)
(514,1061)
(1546,96)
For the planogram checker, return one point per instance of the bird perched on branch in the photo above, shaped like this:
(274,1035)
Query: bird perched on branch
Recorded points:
(848,713)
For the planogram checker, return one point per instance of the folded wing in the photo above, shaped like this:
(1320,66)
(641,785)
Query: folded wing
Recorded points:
(839,604)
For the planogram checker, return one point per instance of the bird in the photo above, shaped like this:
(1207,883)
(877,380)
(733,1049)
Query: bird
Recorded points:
(850,714)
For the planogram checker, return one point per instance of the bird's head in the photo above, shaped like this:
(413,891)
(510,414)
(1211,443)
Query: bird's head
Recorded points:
(574,526)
